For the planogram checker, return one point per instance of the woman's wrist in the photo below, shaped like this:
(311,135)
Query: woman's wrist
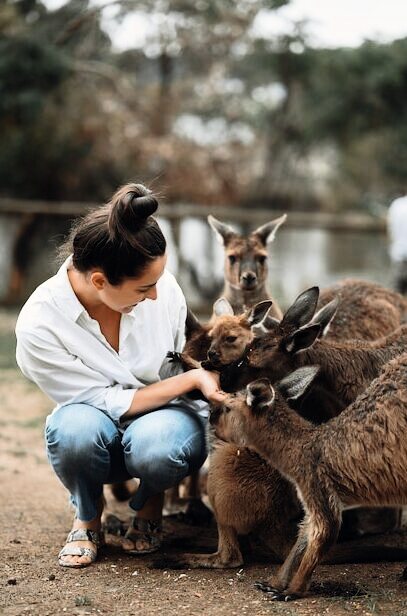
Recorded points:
(195,378)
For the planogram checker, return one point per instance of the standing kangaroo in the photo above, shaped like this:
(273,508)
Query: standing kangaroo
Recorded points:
(246,263)
(358,458)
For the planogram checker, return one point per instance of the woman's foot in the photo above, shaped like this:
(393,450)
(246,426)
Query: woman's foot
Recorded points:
(144,534)
(83,542)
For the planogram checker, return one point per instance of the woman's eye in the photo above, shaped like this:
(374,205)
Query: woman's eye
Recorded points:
(232,259)
(231,338)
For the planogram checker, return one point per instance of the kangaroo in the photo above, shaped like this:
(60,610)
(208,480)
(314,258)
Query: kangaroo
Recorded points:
(346,367)
(258,508)
(368,310)
(246,263)
(249,496)
(358,458)
(346,370)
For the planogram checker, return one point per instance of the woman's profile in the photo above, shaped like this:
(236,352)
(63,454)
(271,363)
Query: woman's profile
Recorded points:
(94,338)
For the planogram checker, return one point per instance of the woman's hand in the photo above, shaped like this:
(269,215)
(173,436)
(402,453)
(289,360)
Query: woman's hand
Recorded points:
(209,384)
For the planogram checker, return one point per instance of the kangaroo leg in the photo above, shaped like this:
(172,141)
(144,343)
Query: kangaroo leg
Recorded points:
(323,534)
(281,580)
(228,555)
(318,533)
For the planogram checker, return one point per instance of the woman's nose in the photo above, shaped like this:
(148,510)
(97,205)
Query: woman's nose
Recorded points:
(152,293)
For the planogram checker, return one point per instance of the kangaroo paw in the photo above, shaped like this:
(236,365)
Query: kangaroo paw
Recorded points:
(173,356)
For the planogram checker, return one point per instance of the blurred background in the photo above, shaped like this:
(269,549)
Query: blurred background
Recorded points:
(244,108)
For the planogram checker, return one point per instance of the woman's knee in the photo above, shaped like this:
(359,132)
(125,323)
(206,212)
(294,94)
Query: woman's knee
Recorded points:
(75,429)
(164,458)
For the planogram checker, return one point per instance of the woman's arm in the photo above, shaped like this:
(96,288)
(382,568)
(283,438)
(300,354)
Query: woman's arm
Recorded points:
(156,395)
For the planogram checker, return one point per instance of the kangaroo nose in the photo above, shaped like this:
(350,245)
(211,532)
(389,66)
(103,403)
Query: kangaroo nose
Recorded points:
(212,354)
(249,277)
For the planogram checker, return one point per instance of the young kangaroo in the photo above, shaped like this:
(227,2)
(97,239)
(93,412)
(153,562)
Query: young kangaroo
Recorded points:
(358,458)
(246,263)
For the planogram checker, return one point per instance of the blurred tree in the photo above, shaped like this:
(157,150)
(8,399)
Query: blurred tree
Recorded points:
(208,106)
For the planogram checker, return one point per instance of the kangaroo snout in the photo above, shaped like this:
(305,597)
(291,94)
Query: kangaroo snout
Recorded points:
(213,355)
(248,280)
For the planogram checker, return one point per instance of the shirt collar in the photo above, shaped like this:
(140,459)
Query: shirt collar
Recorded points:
(64,294)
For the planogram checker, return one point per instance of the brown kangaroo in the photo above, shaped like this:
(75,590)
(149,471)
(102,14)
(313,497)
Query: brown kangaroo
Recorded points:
(368,310)
(358,458)
(346,368)
(246,263)
(257,508)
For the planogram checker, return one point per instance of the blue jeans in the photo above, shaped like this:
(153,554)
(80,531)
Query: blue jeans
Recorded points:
(86,450)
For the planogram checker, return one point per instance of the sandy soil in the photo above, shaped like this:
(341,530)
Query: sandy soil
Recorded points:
(35,518)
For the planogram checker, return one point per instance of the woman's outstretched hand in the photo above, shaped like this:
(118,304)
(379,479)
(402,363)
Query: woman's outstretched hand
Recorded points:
(209,384)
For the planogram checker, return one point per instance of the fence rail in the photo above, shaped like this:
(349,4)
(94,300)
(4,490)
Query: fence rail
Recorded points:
(349,221)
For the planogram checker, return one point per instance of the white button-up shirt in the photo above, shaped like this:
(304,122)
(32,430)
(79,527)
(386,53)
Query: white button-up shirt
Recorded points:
(62,349)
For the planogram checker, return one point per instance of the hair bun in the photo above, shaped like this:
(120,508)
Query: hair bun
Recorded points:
(130,208)
(142,206)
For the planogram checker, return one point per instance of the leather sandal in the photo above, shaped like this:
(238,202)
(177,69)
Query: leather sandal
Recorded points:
(81,534)
(147,532)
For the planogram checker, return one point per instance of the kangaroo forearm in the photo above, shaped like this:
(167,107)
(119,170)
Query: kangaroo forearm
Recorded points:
(188,362)
(156,395)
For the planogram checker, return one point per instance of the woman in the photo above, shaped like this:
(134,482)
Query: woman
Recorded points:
(89,340)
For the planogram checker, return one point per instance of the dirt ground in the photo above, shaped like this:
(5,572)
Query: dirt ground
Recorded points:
(35,518)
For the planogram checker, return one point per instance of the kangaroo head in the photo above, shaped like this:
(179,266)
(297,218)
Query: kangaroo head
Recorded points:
(230,334)
(246,258)
(253,408)
(299,328)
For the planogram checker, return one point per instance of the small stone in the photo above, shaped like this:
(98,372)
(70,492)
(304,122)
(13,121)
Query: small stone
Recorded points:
(51,577)
(12,581)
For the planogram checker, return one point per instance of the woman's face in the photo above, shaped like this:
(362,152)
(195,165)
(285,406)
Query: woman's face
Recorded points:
(123,297)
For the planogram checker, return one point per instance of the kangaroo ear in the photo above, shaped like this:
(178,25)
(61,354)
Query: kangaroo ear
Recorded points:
(303,338)
(259,311)
(192,324)
(296,384)
(324,316)
(302,309)
(266,233)
(224,233)
(222,307)
(259,395)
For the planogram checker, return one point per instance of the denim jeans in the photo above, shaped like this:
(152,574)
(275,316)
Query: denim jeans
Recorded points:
(86,450)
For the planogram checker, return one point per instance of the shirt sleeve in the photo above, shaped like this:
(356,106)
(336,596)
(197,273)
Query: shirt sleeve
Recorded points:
(66,379)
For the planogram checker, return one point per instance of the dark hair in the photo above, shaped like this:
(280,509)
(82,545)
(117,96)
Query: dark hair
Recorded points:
(121,238)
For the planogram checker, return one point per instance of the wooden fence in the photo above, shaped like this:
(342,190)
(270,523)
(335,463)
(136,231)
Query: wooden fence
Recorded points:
(26,228)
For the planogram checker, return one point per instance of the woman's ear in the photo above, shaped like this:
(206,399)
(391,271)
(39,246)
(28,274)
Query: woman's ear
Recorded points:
(98,279)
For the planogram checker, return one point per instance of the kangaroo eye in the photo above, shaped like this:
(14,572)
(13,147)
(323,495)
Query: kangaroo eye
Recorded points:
(231,338)
(261,259)
(232,259)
